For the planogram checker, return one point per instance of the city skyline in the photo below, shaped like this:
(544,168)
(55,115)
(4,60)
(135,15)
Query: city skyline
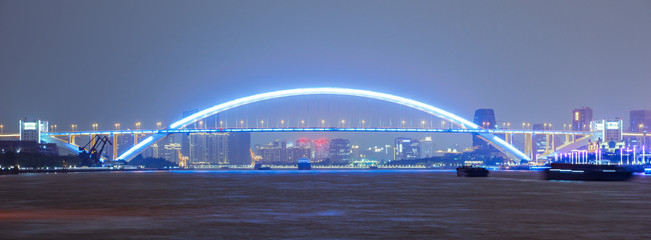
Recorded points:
(310,119)
(606,135)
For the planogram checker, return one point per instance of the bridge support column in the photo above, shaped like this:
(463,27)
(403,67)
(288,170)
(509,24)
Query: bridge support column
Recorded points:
(115,146)
(553,142)
(546,142)
(567,138)
(135,139)
(528,146)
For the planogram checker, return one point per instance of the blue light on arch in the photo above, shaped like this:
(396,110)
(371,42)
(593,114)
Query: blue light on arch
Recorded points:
(502,145)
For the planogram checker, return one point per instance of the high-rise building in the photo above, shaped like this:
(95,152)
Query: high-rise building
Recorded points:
(304,142)
(355,154)
(214,148)
(307,143)
(611,131)
(282,153)
(581,118)
(124,142)
(378,153)
(209,148)
(217,146)
(321,149)
(295,153)
(484,118)
(185,140)
(170,147)
(426,147)
(340,151)
(239,147)
(198,148)
(406,149)
(640,120)
(640,123)
(30,130)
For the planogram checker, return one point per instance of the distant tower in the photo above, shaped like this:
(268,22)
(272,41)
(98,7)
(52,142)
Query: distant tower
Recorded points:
(581,119)
(484,118)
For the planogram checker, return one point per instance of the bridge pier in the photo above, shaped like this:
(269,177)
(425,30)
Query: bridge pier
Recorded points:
(92,140)
(114,154)
(528,145)
(546,142)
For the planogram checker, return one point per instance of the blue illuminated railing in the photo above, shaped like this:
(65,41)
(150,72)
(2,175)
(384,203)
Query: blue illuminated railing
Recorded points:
(313,129)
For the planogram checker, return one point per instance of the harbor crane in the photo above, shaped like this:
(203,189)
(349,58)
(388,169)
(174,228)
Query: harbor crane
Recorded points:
(92,156)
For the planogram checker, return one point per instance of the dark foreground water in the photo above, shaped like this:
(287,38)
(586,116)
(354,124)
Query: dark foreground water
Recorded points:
(341,204)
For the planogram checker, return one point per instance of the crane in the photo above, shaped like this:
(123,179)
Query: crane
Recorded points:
(183,160)
(91,157)
(254,158)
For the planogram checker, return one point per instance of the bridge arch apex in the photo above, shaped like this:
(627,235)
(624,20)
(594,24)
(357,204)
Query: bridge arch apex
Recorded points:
(502,145)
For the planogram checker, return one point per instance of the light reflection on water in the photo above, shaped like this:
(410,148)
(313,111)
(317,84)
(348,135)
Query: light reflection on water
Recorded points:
(330,204)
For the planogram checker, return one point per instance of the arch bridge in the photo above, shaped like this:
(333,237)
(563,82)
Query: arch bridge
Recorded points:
(462,125)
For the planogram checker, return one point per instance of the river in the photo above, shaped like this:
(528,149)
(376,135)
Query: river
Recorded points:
(321,204)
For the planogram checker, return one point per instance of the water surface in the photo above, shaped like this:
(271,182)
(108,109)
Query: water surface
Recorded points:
(321,204)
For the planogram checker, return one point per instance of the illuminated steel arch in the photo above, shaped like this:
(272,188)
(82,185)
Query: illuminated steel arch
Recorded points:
(499,143)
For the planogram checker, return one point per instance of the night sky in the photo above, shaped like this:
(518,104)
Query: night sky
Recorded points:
(126,61)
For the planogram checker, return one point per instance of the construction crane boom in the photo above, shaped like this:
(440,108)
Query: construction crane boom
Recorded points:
(254,158)
(183,160)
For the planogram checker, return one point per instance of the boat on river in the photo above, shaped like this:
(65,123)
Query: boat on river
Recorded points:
(258,166)
(587,172)
(304,164)
(470,171)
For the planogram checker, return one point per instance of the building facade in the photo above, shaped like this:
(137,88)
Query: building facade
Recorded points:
(30,130)
(611,132)
(28,147)
(280,153)
(340,150)
(581,118)
(406,149)
(426,148)
(640,122)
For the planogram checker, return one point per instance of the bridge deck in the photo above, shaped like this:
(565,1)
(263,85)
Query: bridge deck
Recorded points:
(327,129)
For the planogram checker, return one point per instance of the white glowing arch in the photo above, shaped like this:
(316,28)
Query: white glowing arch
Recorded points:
(501,144)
